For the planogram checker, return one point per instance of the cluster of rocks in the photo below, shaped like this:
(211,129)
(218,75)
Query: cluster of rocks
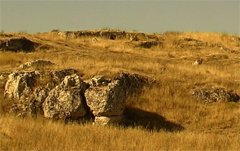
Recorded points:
(18,44)
(63,94)
(211,94)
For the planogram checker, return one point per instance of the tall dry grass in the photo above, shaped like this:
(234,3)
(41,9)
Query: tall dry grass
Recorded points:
(40,134)
(163,116)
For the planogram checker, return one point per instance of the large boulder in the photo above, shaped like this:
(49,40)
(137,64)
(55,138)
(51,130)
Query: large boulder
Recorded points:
(67,99)
(20,87)
(20,84)
(106,100)
(29,89)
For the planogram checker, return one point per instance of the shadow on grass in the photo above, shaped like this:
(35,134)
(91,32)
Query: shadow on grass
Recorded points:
(151,121)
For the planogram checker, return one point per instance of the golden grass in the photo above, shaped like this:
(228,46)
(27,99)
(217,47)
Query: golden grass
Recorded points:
(40,134)
(8,58)
(166,117)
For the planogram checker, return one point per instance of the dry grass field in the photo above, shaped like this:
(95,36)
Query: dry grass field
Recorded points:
(165,116)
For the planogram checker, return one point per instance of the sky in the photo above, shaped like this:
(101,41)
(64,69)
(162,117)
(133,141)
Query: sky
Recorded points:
(157,16)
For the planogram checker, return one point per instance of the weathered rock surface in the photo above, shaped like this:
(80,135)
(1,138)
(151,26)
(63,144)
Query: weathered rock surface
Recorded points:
(19,44)
(99,81)
(37,63)
(133,82)
(107,120)
(20,84)
(63,95)
(20,87)
(212,94)
(26,108)
(66,100)
(58,75)
(107,100)
(23,83)
(31,88)
(3,79)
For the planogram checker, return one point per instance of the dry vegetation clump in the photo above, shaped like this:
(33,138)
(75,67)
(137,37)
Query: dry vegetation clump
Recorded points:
(163,116)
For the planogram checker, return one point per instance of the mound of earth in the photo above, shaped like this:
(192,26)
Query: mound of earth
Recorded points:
(18,44)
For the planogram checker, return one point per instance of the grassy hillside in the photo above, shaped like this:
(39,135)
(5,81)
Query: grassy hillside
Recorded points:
(165,116)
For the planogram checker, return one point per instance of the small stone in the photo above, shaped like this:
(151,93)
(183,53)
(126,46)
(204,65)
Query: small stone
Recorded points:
(197,62)
(107,120)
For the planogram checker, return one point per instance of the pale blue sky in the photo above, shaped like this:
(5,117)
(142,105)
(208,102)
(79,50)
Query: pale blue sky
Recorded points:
(144,16)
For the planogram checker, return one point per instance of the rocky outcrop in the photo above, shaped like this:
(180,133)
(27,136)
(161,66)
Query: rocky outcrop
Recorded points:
(18,44)
(108,34)
(62,94)
(210,94)
(66,100)
(36,64)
